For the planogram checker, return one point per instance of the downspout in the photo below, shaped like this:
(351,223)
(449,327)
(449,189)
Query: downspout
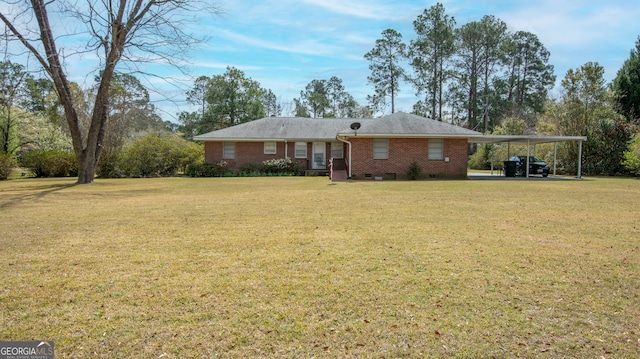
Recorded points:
(349,145)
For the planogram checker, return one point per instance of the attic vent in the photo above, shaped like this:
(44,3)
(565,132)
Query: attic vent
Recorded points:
(355,126)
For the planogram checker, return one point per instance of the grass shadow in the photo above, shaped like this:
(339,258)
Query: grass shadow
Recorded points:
(36,193)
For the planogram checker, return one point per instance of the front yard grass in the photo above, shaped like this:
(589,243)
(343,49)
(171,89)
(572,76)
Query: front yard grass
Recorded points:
(301,267)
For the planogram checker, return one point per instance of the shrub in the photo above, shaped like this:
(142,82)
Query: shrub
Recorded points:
(632,156)
(280,166)
(187,153)
(605,146)
(275,167)
(51,163)
(207,169)
(7,163)
(148,156)
(153,155)
(109,166)
(194,169)
(485,153)
(250,169)
(479,160)
(414,171)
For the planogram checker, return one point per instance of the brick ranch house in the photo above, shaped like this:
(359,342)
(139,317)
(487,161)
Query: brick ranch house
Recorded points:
(349,148)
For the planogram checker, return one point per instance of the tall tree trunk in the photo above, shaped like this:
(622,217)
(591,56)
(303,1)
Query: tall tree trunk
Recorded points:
(54,67)
(111,26)
(87,147)
(6,130)
(393,85)
(440,81)
(434,87)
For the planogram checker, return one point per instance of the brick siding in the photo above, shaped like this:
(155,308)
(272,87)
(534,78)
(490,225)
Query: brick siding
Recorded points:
(402,152)
(253,152)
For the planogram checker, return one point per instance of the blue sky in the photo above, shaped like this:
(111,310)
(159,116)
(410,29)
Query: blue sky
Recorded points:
(284,44)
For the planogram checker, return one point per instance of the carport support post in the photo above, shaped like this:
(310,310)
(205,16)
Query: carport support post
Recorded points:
(528,155)
(579,159)
(555,152)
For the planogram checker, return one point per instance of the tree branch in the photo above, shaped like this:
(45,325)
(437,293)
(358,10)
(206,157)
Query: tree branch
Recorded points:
(26,43)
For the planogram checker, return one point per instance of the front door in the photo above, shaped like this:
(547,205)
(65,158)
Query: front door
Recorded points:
(319,156)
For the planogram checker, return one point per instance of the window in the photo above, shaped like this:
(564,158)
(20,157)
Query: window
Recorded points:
(301,150)
(270,148)
(229,150)
(380,148)
(337,150)
(436,148)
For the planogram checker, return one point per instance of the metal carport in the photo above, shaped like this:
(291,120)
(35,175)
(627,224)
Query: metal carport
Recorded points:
(529,140)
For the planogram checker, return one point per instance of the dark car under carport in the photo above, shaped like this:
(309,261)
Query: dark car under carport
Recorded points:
(536,166)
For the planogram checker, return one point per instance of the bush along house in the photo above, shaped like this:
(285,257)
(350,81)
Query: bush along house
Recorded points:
(367,148)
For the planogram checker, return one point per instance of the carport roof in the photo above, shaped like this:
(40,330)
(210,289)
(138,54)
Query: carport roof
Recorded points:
(524,139)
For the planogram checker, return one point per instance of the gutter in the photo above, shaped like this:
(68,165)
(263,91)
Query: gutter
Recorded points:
(349,145)
(408,135)
(256,139)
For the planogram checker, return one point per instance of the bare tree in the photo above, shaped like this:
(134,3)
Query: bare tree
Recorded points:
(129,31)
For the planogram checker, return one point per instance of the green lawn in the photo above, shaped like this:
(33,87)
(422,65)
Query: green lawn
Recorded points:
(301,267)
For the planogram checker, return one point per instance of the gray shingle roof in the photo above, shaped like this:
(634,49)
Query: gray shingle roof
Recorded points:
(405,124)
(326,129)
(277,128)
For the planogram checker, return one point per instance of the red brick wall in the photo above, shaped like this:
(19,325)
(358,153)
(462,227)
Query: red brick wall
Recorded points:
(402,152)
(253,152)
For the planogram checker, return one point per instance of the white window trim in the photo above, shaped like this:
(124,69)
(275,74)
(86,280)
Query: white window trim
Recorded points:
(229,153)
(301,145)
(378,153)
(437,155)
(270,147)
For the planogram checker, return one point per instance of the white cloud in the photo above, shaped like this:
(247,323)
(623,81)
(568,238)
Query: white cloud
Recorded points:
(570,23)
(365,9)
(306,47)
(577,32)
(223,66)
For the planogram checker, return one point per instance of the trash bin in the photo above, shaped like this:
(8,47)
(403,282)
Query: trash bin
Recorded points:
(510,168)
